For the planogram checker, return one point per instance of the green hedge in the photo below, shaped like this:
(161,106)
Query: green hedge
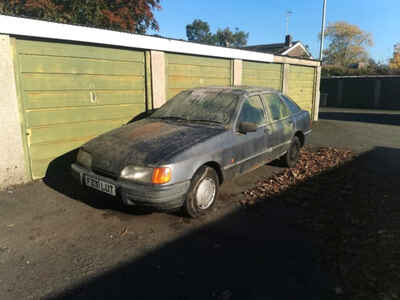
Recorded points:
(329,71)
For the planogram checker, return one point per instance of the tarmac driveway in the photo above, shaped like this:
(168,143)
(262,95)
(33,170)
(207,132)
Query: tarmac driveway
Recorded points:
(59,241)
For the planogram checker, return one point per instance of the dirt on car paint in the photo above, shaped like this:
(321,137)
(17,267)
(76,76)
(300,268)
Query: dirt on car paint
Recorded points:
(145,142)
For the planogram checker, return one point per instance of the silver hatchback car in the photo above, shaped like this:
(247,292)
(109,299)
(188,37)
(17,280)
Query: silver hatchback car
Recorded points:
(178,156)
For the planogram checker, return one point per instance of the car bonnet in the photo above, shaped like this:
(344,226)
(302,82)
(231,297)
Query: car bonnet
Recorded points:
(148,142)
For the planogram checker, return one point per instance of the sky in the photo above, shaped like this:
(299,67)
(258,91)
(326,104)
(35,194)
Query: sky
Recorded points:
(265,20)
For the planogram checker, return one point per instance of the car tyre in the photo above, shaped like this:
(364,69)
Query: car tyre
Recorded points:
(202,193)
(292,155)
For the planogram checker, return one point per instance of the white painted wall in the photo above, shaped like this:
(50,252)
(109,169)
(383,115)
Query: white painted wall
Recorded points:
(12,168)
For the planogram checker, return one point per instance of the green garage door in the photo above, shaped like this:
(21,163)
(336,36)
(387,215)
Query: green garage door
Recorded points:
(301,86)
(188,71)
(72,93)
(262,74)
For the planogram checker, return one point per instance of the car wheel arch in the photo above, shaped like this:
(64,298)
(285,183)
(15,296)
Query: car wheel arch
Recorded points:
(301,137)
(214,165)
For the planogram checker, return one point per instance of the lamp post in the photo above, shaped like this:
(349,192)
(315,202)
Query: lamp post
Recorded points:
(322,31)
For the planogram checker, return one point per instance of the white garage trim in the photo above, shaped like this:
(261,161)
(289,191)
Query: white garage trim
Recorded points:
(43,29)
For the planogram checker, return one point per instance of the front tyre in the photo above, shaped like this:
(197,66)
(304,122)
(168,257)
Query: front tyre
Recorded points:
(292,155)
(202,193)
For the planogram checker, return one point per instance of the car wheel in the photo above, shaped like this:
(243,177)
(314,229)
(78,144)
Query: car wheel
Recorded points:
(292,155)
(202,193)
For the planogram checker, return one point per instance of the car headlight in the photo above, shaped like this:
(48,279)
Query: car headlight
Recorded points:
(84,158)
(147,175)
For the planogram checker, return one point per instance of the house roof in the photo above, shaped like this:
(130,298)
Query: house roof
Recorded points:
(278,49)
(270,48)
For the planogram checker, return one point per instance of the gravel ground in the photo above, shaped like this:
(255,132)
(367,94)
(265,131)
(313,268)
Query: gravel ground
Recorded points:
(59,241)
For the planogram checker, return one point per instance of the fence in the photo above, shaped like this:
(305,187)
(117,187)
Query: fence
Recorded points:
(379,92)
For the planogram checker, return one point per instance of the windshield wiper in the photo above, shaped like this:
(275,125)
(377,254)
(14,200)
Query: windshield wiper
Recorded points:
(207,121)
(171,118)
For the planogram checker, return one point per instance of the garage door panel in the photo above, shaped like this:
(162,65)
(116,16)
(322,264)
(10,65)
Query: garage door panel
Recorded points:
(306,79)
(72,93)
(72,65)
(68,98)
(191,60)
(301,86)
(301,90)
(261,82)
(262,74)
(294,70)
(73,131)
(51,150)
(173,91)
(262,66)
(39,167)
(45,117)
(188,71)
(83,51)
(57,82)
(189,82)
(197,71)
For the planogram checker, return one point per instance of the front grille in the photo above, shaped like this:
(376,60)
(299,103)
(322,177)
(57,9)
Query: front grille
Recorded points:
(104,173)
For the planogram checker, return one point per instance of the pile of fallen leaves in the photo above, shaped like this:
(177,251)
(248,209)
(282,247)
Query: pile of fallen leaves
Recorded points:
(311,163)
(353,213)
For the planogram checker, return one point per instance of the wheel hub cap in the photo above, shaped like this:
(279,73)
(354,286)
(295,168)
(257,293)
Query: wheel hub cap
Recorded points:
(205,193)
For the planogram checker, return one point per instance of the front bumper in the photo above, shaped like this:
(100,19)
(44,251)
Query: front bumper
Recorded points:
(154,196)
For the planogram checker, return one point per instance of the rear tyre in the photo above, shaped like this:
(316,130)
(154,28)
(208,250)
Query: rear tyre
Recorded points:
(292,155)
(202,193)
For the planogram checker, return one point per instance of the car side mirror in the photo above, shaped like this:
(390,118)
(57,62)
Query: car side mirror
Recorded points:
(245,127)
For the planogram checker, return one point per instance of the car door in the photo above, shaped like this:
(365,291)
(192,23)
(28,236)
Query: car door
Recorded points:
(250,147)
(281,124)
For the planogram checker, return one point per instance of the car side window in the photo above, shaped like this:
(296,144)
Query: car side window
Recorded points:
(293,107)
(252,111)
(276,107)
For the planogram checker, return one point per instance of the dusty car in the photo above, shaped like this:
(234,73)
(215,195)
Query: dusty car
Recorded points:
(179,155)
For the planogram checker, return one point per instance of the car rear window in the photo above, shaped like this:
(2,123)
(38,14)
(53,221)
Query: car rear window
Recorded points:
(293,107)
(276,107)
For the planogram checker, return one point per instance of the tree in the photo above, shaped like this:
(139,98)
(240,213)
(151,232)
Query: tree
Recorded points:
(127,15)
(199,31)
(395,61)
(347,44)
(227,38)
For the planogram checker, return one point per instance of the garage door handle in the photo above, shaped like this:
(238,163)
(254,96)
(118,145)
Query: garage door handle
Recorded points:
(93,97)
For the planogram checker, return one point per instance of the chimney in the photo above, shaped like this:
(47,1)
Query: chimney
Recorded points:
(288,40)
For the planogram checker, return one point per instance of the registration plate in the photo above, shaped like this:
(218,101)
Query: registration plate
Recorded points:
(100,185)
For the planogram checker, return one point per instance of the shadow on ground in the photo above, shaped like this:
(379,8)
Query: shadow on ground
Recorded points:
(377,118)
(261,252)
(58,177)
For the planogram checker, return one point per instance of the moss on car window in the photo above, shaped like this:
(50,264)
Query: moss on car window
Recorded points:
(207,105)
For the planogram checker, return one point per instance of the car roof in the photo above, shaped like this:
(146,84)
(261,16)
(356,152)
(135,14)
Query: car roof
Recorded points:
(236,89)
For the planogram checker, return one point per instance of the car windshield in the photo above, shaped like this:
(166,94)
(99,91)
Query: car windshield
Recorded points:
(214,106)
